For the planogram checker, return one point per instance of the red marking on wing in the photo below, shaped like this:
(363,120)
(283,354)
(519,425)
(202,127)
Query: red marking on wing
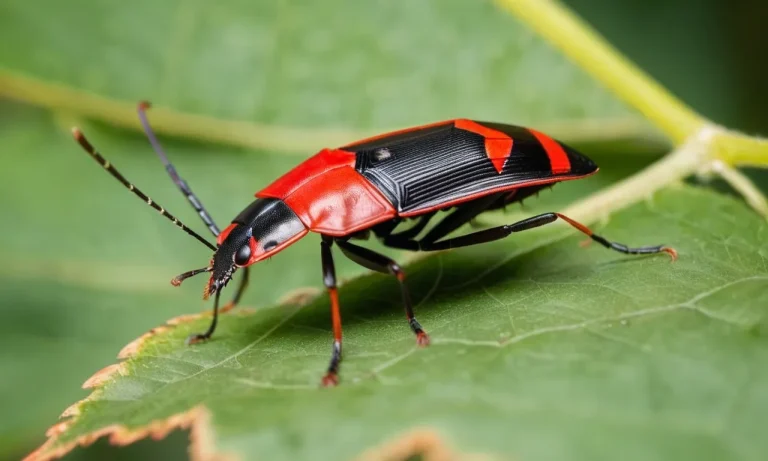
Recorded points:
(557,156)
(498,145)
(330,196)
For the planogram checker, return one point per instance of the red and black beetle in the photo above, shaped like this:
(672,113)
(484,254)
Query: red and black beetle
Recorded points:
(462,166)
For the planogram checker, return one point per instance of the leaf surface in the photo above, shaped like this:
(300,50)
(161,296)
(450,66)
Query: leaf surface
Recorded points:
(86,265)
(541,350)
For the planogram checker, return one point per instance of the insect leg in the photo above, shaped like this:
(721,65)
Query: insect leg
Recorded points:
(462,215)
(500,232)
(331,378)
(415,230)
(618,246)
(380,263)
(238,293)
(401,244)
(488,235)
(195,338)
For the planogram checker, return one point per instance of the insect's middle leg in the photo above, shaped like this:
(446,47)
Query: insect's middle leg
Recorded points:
(404,240)
(461,215)
(380,263)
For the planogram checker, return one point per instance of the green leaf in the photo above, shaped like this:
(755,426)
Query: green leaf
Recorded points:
(539,346)
(541,349)
(86,267)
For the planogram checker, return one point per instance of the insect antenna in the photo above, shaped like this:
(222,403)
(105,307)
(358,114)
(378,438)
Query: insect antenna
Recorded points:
(80,138)
(178,180)
(176,281)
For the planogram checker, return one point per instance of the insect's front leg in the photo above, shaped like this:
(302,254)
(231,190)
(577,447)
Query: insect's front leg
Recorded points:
(331,378)
(198,337)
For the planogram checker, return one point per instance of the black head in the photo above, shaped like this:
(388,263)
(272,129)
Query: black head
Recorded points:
(262,229)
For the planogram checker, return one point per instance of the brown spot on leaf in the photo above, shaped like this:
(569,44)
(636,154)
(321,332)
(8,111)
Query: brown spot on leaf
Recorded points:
(186,318)
(300,296)
(57,429)
(243,310)
(197,419)
(103,375)
(73,410)
(424,442)
(132,348)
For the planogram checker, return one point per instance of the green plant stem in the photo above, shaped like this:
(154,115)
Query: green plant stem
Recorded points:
(250,135)
(170,122)
(577,40)
(743,185)
(582,44)
(737,149)
(682,162)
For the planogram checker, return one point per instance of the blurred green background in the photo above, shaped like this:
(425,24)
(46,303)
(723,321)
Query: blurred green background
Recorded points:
(710,53)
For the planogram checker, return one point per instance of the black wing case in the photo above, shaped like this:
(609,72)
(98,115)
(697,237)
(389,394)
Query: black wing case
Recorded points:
(441,165)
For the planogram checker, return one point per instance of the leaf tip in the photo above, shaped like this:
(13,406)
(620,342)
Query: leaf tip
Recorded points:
(103,375)
(133,347)
(72,410)
(57,429)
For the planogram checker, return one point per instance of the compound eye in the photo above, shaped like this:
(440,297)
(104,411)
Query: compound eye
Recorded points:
(243,255)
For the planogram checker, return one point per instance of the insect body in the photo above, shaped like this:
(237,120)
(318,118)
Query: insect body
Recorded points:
(462,167)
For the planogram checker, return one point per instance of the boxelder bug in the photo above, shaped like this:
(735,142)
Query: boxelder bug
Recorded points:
(372,185)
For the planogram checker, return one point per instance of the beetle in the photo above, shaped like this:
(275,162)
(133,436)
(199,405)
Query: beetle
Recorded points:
(458,167)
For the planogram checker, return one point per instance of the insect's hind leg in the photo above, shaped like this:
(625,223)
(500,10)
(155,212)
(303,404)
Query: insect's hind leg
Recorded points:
(618,246)
(500,232)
